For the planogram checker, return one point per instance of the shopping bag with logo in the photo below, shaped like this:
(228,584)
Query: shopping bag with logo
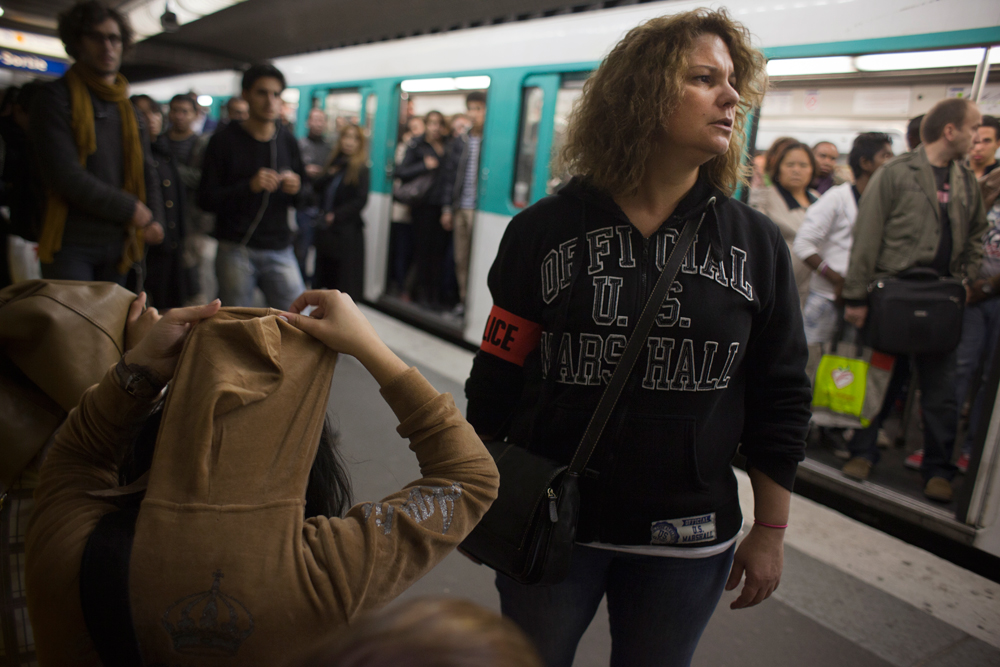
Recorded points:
(849,384)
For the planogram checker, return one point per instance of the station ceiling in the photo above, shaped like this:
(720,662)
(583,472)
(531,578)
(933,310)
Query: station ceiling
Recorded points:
(258,30)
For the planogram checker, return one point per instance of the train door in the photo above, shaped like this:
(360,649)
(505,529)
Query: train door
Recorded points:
(832,100)
(420,278)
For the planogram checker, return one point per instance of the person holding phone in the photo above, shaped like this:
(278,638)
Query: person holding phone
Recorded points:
(251,175)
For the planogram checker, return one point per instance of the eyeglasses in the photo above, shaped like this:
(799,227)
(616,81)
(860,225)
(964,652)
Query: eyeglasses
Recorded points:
(113,38)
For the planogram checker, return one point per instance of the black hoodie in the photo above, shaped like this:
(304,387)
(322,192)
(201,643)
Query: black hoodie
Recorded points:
(232,159)
(724,363)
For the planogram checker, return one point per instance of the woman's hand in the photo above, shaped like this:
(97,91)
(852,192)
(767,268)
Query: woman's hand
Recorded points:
(139,321)
(328,219)
(430,162)
(760,557)
(160,348)
(337,322)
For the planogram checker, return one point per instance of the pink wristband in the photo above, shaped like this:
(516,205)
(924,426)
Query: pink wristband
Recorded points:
(769,525)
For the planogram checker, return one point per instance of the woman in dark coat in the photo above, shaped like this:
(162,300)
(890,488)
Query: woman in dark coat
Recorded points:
(164,281)
(426,155)
(340,238)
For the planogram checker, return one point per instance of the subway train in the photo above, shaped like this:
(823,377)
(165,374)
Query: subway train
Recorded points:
(838,67)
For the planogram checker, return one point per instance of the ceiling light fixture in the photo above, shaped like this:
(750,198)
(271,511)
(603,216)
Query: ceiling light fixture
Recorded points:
(445,84)
(888,62)
(810,66)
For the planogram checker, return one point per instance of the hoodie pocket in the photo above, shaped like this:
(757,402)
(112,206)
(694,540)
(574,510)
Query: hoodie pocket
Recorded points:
(656,459)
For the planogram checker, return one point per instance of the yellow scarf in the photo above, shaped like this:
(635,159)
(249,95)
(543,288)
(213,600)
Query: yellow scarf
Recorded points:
(81,81)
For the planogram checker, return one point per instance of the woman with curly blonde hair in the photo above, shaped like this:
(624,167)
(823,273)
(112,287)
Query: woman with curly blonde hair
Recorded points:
(657,140)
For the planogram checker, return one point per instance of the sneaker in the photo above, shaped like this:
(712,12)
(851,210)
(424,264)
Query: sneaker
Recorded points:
(857,468)
(883,441)
(962,463)
(914,460)
(938,489)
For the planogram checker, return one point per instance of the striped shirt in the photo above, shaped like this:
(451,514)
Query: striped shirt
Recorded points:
(471,174)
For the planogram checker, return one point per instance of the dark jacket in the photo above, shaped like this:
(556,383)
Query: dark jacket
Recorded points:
(22,190)
(455,168)
(347,203)
(413,166)
(723,365)
(98,207)
(166,282)
(232,159)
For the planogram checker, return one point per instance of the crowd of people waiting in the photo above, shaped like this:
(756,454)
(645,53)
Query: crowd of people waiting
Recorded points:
(209,201)
(837,225)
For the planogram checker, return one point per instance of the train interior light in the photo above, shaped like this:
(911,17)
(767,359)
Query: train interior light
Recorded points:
(881,62)
(445,84)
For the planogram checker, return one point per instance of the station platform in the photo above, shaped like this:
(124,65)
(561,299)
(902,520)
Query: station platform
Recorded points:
(849,595)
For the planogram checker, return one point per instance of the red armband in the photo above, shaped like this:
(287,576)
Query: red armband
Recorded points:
(510,337)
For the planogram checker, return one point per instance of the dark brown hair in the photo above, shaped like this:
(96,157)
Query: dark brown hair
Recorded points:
(773,150)
(946,112)
(783,153)
(82,17)
(429,632)
(634,92)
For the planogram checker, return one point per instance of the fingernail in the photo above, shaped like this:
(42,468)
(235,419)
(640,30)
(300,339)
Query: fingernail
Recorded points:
(282,317)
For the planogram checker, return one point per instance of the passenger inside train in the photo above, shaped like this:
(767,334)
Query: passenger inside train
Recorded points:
(319,189)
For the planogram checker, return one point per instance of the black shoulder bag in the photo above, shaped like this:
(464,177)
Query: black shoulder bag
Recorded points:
(529,531)
(916,311)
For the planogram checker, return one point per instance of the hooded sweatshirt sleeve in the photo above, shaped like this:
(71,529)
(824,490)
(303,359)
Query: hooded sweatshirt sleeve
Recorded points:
(777,401)
(84,458)
(512,331)
(380,549)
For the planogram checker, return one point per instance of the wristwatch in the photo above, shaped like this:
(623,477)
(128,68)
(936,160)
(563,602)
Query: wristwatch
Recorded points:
(138,382)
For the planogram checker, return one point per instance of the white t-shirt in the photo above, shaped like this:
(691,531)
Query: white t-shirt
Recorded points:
(827,231)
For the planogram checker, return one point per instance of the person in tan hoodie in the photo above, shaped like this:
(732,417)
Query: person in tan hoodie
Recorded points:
(224,569)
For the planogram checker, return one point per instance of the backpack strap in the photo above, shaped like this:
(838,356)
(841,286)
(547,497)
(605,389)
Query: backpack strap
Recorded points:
(104,591)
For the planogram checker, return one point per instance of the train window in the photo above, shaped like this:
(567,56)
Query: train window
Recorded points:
(342,107)
(371,106)
(527,145)
(569,92)
(422,279)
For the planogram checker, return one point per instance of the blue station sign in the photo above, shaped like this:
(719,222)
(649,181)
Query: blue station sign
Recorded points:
(29,62)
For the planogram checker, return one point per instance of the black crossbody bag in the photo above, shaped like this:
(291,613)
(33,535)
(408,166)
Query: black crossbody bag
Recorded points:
(916,312)
(529,531)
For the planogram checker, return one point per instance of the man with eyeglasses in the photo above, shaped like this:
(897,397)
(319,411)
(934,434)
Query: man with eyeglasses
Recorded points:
(102,202)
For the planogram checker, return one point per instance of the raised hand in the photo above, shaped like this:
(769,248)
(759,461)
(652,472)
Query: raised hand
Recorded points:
(160,348)
(337,322)
(139,321)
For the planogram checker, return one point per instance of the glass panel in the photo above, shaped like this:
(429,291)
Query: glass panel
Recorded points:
(569,92)
(371,106)
(823,101)
(342,107)
(527,145)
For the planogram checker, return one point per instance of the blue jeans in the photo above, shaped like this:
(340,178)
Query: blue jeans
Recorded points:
(980,331)
(658,607)
(241,269)
(306,220)
(820,319)
(86,262)
(935,374)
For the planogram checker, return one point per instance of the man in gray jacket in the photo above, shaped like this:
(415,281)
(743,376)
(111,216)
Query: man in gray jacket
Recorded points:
(922,209)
